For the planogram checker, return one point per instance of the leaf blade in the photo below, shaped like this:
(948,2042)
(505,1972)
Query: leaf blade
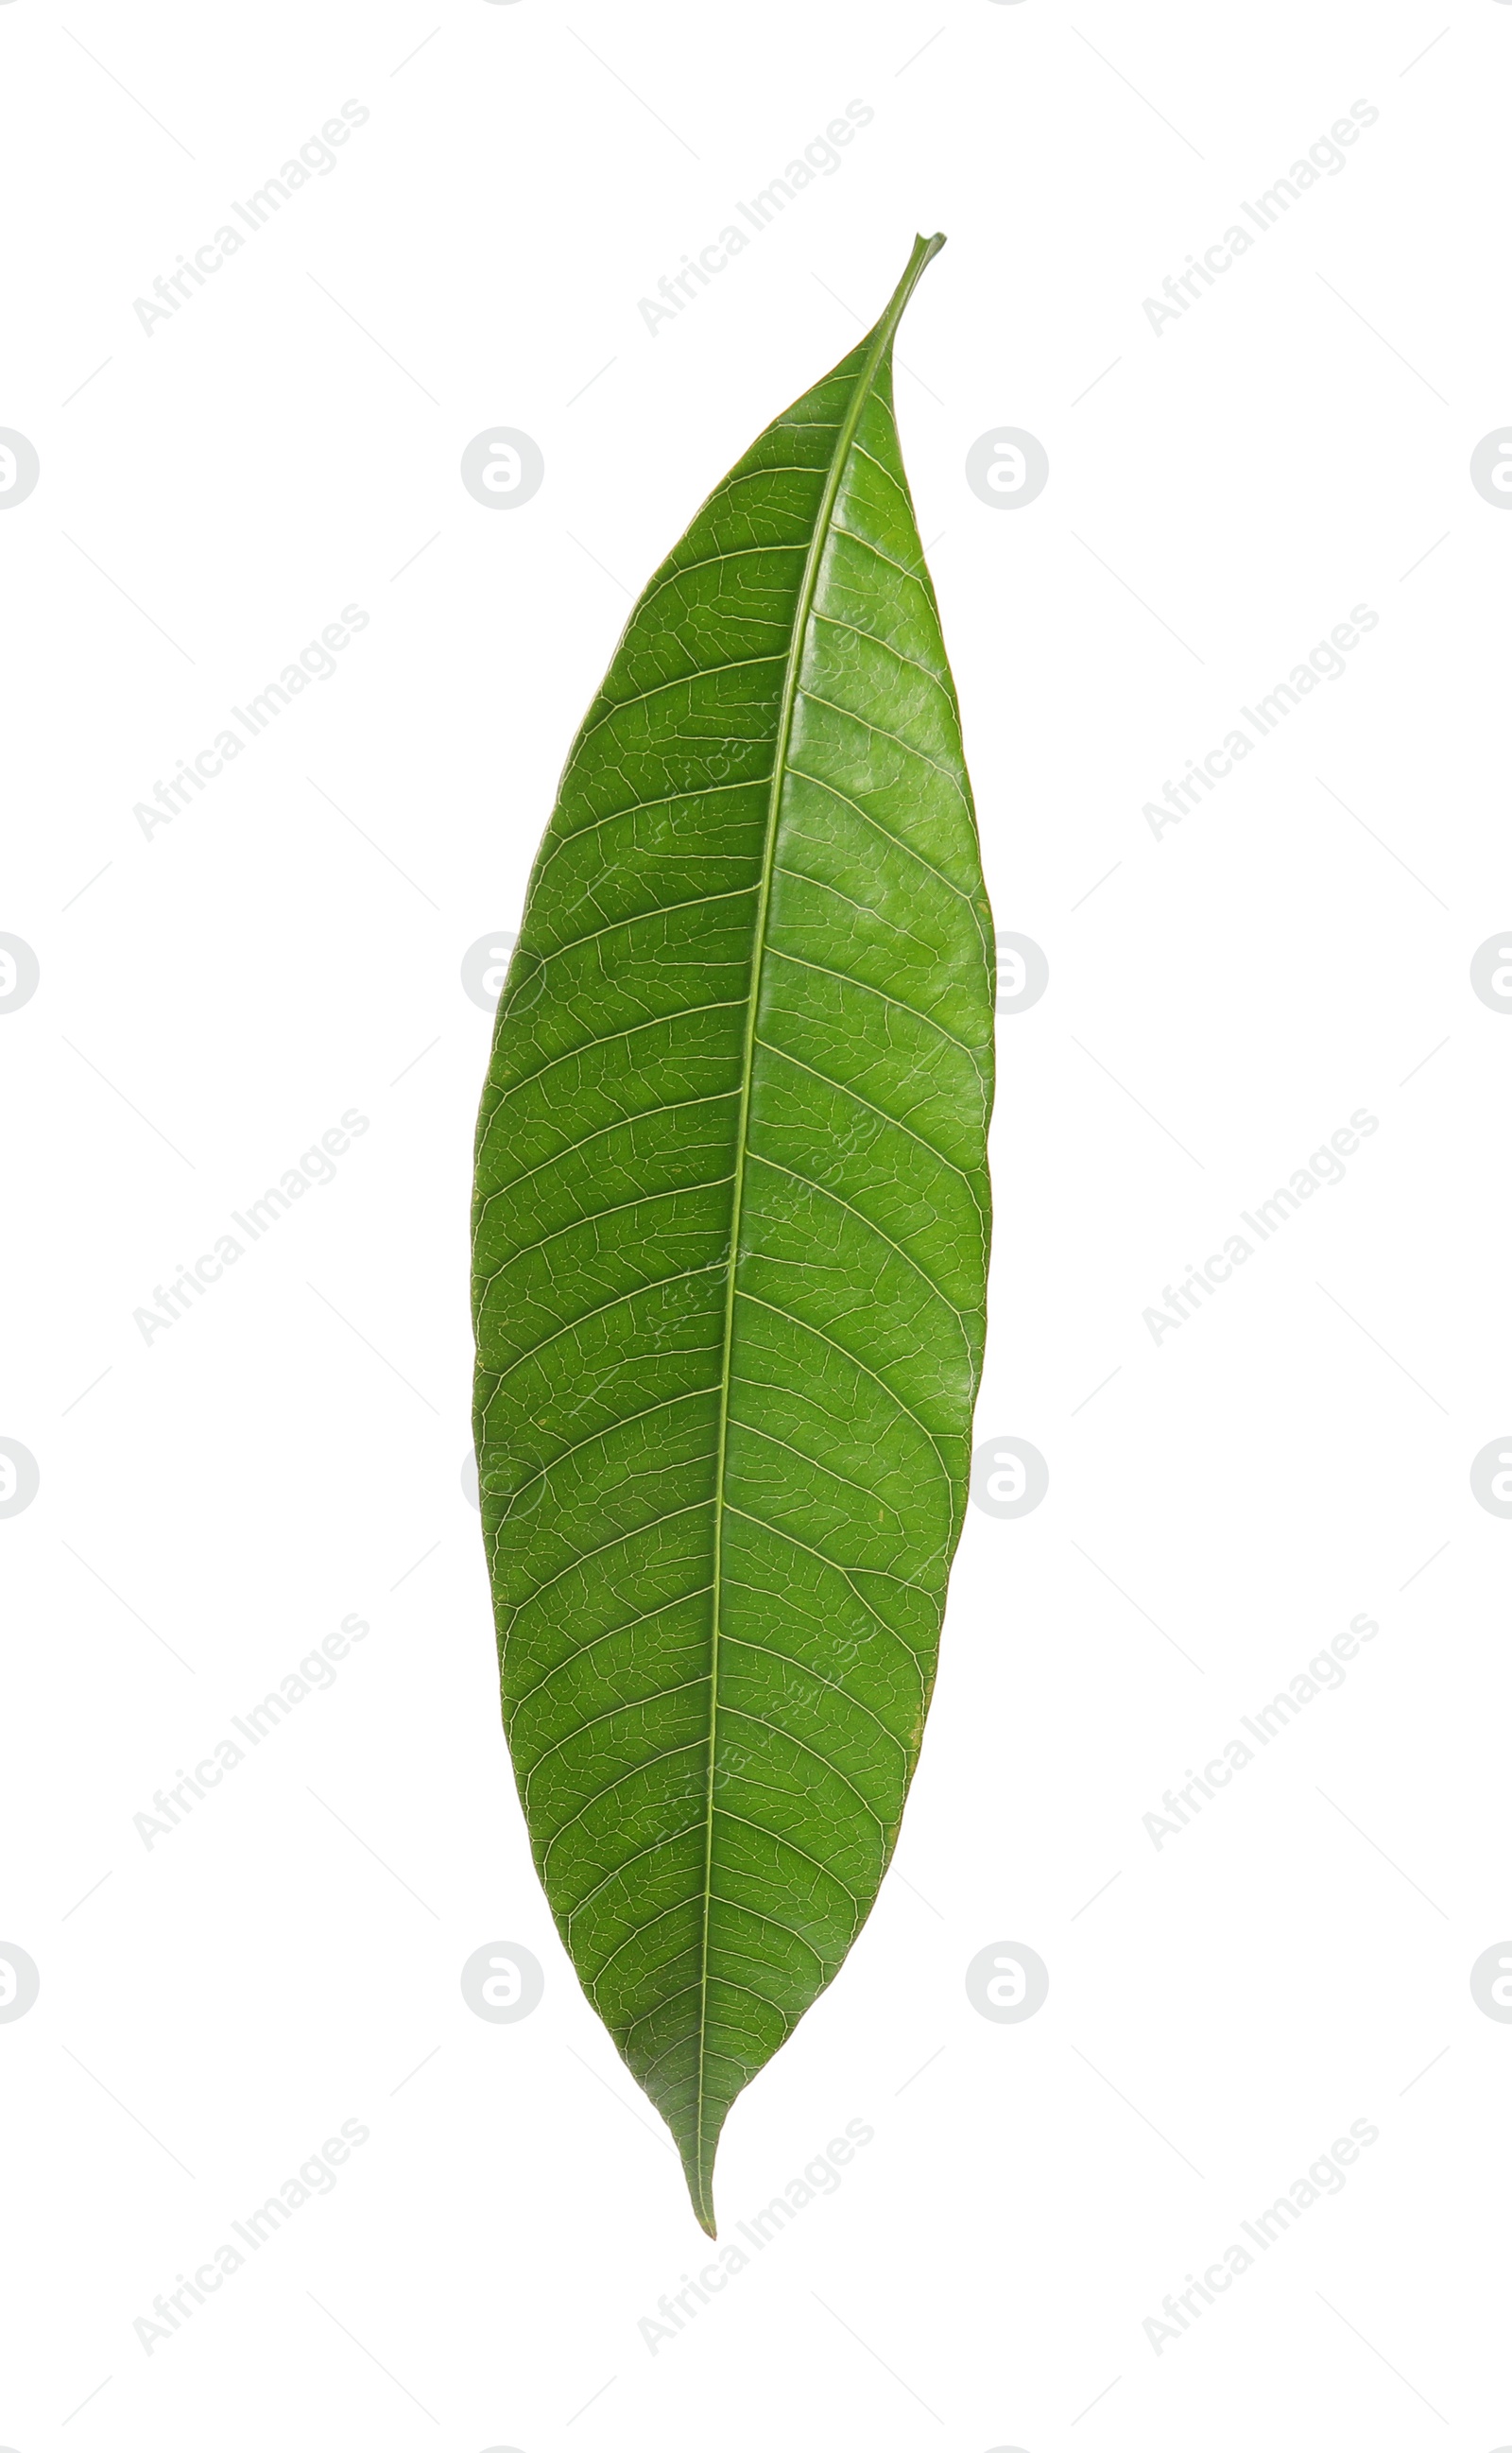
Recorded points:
(791,963)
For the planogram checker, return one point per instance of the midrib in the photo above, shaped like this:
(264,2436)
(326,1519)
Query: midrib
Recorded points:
(839,457)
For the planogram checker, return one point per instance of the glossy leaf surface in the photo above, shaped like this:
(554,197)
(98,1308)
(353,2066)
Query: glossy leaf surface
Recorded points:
(730,1248)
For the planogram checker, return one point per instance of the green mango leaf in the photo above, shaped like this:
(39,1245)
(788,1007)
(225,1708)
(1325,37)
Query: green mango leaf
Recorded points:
(730,1249)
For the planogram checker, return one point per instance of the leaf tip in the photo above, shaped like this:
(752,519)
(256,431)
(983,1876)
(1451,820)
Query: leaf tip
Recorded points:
(923,253)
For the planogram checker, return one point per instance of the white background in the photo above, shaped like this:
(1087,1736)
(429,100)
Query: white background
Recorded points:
(1221,998)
